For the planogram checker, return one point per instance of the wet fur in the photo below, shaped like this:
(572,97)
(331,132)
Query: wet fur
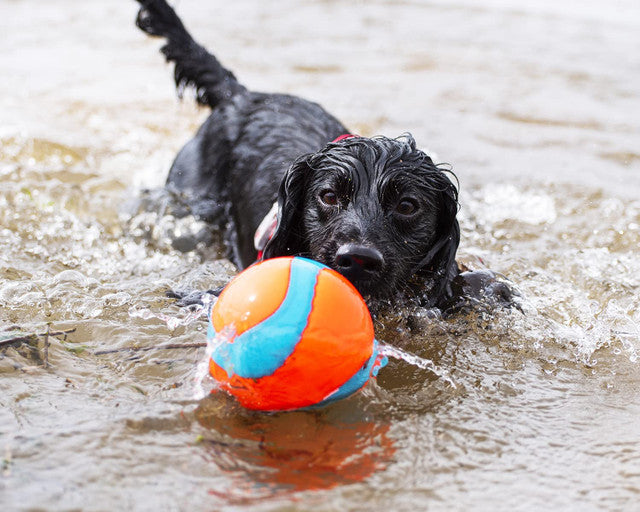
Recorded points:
(257,148)
(370,175)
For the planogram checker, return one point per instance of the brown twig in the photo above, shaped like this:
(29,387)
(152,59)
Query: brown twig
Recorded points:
(18,339)
(168,346)
(31,337)
(45,350)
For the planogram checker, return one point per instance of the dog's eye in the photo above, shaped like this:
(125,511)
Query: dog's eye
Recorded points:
(407,207)
(329,197)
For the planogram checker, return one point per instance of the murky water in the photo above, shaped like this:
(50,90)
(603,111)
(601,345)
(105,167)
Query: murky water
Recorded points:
(535,106)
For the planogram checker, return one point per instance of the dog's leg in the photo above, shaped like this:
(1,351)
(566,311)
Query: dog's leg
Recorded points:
(194,66)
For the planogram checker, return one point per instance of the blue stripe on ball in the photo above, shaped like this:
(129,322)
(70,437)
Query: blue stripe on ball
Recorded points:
(248,356)
(359,379)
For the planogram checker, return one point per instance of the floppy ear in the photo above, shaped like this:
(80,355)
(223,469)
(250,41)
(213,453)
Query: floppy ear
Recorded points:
(446,265)
(440,262)
(288,238)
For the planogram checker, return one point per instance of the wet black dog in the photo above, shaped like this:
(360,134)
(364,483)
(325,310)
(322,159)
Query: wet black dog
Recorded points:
(377,210)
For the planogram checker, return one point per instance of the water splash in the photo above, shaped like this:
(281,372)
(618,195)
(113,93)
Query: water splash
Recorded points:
(420,362)
(194,312)
(203,383)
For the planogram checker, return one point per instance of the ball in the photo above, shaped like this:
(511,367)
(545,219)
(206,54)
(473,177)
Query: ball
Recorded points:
(288,333)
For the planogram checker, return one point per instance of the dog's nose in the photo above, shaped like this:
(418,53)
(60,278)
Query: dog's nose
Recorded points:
(358,261)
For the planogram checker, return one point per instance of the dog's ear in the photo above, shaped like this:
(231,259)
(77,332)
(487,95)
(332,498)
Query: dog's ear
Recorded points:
(288,238)
(440,262)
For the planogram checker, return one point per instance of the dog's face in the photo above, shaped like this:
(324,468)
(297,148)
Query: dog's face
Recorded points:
(376,210)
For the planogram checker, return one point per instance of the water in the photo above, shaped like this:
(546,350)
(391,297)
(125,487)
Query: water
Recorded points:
(417,361)
(534,106)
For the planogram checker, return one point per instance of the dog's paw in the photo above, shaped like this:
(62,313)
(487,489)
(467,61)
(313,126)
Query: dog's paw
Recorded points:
(482,290)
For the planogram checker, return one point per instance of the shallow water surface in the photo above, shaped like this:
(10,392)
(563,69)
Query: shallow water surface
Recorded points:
(535,108)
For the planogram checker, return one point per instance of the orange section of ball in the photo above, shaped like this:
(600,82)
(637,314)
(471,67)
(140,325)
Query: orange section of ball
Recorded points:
(336,343)
(252,296)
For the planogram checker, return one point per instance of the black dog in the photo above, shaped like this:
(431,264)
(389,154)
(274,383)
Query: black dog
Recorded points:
(377,210)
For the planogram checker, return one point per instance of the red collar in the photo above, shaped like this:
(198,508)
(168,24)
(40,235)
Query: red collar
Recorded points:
(345,136)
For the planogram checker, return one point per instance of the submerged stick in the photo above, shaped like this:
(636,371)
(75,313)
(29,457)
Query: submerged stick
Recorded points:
(30,337)
(18,339)
(46,347)
(168,346)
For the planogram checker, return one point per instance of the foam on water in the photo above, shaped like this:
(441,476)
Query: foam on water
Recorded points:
(190,315)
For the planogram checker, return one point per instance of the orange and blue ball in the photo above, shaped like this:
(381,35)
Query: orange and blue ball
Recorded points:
(289,333)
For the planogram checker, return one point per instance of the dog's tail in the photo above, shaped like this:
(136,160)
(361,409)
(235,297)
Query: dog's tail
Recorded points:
(194,66)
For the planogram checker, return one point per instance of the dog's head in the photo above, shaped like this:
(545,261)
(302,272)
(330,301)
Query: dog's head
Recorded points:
(377,210)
